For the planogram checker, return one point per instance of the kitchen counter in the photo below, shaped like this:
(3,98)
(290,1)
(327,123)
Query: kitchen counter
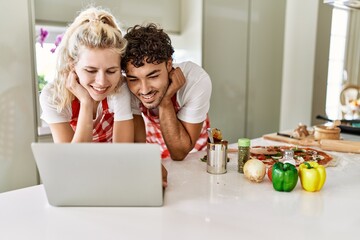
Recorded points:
(199,205)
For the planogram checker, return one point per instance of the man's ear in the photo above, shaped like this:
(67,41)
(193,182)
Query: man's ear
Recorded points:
(169,65)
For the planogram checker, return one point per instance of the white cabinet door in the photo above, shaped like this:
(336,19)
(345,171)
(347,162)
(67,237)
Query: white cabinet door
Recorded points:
(243,49)
(17,108)
(225,59)
(265,66)
(128,12)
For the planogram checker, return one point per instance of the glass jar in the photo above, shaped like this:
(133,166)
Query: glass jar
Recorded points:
(289,157)
(243,153)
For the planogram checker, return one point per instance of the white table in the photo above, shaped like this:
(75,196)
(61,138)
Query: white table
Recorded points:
(199,205)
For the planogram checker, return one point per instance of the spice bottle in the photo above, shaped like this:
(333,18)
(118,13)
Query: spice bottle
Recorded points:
(243,153)
(289,157)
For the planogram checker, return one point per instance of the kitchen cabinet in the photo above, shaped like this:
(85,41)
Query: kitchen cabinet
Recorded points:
(243,53)
(128,12)
(17,103)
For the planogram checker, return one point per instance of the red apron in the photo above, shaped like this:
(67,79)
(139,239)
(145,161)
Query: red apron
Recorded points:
(153,132)
(102,129)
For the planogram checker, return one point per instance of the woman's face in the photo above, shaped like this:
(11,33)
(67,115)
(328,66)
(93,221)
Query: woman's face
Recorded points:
(98,71)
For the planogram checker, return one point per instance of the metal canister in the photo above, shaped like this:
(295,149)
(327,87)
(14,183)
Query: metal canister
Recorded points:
(217,157)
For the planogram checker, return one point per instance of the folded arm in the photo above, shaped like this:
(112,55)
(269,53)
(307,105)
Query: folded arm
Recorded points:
(180,137)
(63,132)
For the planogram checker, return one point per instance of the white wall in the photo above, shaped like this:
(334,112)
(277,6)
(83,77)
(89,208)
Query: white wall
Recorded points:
(17,111)
(321,62)
(299,62)
(353,48)
(189,41)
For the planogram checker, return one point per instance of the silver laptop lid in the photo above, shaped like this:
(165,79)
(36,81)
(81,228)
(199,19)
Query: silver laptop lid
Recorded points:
(100,174)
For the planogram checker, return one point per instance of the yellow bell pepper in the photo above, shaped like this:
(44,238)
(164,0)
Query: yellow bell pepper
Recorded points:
(312,176)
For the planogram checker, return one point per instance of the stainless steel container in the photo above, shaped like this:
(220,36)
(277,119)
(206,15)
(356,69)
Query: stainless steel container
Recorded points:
(216,158)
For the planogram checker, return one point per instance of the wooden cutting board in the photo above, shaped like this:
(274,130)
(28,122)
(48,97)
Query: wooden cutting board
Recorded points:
(325,144)
(340,145)
(308,141)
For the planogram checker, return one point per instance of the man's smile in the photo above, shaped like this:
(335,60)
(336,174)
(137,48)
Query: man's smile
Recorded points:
(149,97)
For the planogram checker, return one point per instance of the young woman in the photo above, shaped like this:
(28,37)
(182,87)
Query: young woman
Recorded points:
(88,100)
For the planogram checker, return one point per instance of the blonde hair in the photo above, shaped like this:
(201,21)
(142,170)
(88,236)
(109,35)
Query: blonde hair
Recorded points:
(92,28)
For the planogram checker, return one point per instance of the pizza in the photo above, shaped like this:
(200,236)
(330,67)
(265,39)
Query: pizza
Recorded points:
(271,154)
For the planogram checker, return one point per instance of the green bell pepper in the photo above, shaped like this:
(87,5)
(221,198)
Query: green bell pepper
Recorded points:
(284,177)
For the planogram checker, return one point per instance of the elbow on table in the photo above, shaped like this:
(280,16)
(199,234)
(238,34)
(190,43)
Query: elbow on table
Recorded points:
(178,156)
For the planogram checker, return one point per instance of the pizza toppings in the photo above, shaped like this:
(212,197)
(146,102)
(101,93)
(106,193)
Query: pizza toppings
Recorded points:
(264,151)
(272,154)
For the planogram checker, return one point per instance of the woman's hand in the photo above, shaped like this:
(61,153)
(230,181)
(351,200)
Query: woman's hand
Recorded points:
(73,85)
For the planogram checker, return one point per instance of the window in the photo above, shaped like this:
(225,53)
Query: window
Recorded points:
(336,73)
(48,39)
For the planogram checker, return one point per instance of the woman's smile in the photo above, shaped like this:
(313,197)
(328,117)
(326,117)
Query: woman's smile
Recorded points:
(99,90)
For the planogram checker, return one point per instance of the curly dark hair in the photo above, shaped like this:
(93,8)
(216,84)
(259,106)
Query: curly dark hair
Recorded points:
(146,43)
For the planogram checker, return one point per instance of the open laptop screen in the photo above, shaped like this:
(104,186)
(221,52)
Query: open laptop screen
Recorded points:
(100,174)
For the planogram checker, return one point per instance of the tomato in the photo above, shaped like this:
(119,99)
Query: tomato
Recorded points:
(261,157)
(269,173)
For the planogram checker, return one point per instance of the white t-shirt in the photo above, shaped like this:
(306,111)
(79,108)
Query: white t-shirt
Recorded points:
(119,104)
(193,97)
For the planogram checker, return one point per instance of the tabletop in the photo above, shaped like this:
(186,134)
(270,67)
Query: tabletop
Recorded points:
(199,205)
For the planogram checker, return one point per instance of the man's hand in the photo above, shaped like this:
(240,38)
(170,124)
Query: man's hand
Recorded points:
(177,80)
(164,175)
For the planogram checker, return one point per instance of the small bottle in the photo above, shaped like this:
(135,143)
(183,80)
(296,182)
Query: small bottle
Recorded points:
(243,153)
(289,157)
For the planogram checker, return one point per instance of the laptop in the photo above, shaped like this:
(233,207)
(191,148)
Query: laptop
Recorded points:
(100,174)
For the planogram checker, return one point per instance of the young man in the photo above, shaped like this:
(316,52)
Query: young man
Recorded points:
(173,99)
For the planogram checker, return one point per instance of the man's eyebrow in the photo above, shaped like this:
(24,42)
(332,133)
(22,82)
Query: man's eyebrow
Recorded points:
(130,76)
(147,75)
(153,72)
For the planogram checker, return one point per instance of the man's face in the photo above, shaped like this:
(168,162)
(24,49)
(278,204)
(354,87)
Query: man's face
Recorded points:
(149,82)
